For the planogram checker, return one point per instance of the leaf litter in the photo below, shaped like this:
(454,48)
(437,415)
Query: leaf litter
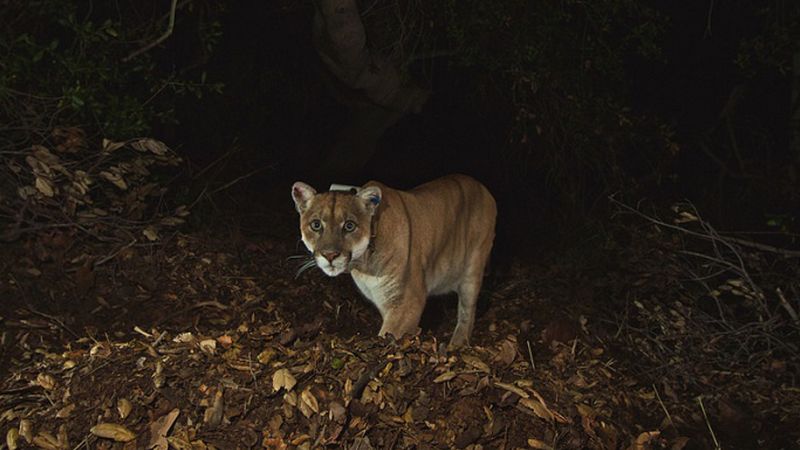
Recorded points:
(205,341)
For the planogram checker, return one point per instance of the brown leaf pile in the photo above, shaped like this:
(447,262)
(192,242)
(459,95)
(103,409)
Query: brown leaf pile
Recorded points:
(108,191)
(209,341)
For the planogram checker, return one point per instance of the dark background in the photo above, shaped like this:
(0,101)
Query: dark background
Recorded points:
(554,105)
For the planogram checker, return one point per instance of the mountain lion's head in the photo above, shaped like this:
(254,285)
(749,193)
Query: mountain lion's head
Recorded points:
(335,226)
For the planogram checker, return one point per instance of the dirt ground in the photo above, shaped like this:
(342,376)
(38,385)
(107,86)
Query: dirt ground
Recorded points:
(207,339)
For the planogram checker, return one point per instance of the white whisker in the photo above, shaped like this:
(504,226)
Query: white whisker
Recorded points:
(305,266)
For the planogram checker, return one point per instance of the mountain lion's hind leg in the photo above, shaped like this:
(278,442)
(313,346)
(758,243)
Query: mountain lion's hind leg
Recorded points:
(467,300)
(468,291)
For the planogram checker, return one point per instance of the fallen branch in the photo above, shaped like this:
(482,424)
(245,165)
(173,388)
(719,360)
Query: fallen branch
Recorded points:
(765,247)
(711,235)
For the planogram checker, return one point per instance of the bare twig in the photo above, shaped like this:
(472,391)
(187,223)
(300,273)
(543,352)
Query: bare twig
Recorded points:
(232,151)
(765,247)
(788,307)
(240,178)
(661,402)
(708,424)
(757,245)
(530,355)
(55,319)
(107,258)
(162,38)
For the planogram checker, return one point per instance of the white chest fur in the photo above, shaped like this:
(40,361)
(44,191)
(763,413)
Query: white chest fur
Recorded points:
(379,289)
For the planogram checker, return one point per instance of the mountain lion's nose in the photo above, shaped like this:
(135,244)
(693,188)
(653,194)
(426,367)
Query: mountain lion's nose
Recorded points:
(330,256)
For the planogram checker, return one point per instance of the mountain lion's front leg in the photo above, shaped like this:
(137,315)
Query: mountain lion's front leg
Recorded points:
(402,315)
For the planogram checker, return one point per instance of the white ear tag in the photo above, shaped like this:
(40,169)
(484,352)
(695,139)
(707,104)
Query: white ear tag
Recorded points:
(344,188)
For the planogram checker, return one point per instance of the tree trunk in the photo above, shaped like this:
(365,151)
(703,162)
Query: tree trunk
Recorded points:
(370,84)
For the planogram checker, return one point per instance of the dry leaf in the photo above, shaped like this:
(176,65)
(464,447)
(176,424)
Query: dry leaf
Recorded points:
(447,376)
(537,407)
(685,217)
(43,154)
(179,443)
(585,410)
(100,350)
(109,146)
(476,362)
(275,443)
(159,430)
(184,338)
(541,445)
(115,179)
(643,439)
(290,398)
(282,379)
(361,443)
(62,437)
(225,341)
(26,191)
(124,408)
(213,414)
(151,234)
(46,441)
(26,430)
(507,354)
(44,186)
(556,415)
(310,402)
(338,413)
(12,438)
(511,388)
(66,411)
(208,346)
(117,432)
(266,356)
(151,145)
(46,381)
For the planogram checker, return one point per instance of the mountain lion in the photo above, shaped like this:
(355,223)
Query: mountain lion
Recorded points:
(401,246)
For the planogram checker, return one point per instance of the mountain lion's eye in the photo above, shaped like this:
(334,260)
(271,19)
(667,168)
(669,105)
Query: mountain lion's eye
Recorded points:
(316,225)
(349,226)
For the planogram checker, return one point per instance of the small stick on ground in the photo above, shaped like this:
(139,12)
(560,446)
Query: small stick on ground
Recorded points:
(792,313)
(660,402)
(530,355)
(708,424)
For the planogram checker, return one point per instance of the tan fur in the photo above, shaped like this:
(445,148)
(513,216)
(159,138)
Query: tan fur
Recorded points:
(433,239)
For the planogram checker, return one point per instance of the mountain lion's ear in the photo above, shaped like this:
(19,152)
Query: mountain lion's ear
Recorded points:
(371,195)
(302,194)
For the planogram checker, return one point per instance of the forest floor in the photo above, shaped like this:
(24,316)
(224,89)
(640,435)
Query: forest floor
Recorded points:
(210,340)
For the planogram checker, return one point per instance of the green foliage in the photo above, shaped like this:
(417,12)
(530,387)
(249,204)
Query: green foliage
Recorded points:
(73,57)
(772,49)
(573,39)
(559,70)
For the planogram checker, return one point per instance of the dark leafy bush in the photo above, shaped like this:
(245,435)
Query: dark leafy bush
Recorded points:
(66,63)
